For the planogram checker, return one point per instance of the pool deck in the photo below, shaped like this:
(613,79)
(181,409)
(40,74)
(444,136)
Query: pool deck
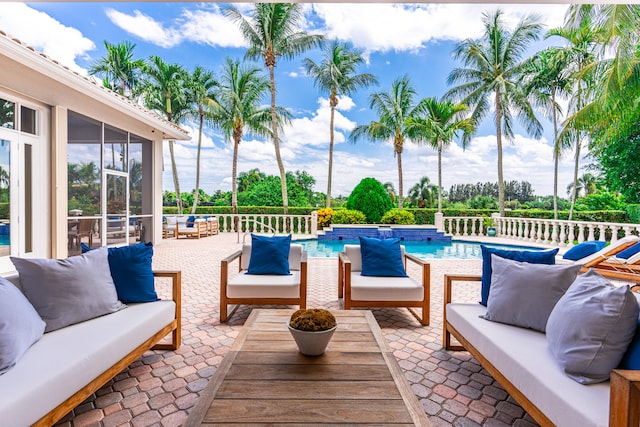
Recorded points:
(162,387)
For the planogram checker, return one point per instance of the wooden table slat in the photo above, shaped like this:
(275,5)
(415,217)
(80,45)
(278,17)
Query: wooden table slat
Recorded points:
(279,389)
(302,372)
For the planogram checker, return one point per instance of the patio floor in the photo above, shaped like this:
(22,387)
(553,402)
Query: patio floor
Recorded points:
(162,387)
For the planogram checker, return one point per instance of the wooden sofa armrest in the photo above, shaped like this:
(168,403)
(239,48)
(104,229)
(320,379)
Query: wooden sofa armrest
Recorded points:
(426,284)
(176,291)
(624,406)
(448,288)
(344,272)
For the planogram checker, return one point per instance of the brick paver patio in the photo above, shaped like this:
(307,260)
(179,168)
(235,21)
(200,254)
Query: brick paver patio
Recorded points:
(161,388)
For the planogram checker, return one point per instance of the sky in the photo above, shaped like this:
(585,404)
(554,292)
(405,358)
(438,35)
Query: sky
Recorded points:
(395,39)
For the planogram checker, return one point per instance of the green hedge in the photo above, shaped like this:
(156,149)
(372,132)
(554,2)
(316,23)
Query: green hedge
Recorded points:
(227,210)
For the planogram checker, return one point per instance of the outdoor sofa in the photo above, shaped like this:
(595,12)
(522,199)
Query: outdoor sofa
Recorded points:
(67,365)
(543,374)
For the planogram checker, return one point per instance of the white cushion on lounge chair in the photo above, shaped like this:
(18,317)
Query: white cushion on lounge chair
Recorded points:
(376,288)
(264,286)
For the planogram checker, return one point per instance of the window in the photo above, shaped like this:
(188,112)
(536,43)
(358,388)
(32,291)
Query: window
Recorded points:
(108,183)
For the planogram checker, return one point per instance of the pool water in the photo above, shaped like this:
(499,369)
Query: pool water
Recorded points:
(456,249)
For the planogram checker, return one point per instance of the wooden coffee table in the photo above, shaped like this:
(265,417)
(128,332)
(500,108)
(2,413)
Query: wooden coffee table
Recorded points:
(264,379)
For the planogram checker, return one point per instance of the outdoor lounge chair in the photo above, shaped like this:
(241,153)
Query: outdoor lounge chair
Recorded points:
(196,228)
(382,291)
(604,254)
(263,289)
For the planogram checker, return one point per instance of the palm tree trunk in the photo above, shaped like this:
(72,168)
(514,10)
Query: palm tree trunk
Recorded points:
(499,149)
(439,176)
(399,155)
(574,193)
(176,182)
(197,190)
(276,141)
(556,156)
(328,204)
(234,182)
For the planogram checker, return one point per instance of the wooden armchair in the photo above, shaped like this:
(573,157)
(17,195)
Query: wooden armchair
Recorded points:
(378,291)
(257,289)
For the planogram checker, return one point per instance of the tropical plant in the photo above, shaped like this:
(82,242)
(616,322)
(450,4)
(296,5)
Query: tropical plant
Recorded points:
(246,179)
(492,73)
(546,80)
(271,31)
(438,122)
(164,91)
(119,71)
(348,216)
(423,194)
(201,85)
(370,198)
(336,74)
(236,109)
(587,183)
(398,216)
(579,56)
(324,217)
(393,108)
(391,191)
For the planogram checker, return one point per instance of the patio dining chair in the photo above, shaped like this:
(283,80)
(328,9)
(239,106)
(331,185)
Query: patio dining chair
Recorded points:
(262,289)
(358,290)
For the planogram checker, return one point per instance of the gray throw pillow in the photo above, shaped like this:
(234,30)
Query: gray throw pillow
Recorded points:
(523,294)
(20,325)
(68,291)
(591,327)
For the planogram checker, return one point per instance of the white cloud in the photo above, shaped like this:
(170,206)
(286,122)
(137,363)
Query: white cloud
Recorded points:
(145,27)
(40,31)
(403,27)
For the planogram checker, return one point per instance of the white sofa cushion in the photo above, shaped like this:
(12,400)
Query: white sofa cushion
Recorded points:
(522,356)
(66,360)
(374,288)
(264,286)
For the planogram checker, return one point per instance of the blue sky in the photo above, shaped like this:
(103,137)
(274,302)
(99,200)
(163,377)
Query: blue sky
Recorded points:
(396,39)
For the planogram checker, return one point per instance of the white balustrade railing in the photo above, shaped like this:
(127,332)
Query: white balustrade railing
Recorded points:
(561,232)
(464,225)
(266,223)
(548,231)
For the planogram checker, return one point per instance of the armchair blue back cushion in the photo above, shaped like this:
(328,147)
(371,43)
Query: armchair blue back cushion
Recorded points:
(381,257)
(584,249)
(269,255)
(533,257)
(131,272)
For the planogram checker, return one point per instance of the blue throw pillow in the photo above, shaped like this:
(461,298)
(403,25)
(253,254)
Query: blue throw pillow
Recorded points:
(631,359)
(190,221)
(381,257)
(629,252)
(584,249)
(131,272)
(269,255)
(533,257)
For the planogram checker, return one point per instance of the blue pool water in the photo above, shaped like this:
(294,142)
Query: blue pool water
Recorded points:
(455,249)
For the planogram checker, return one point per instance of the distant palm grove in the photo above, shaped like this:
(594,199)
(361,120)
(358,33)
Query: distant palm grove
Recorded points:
(595,75)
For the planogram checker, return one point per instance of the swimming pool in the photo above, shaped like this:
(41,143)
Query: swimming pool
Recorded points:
(456,249)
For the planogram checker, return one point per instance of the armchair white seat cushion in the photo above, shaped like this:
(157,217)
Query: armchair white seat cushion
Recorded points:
(382,291)
(263,289)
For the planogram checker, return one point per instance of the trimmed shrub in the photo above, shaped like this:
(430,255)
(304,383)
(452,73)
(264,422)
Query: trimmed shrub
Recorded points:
(370,198)
(348,216)
(398,216)
(324,217)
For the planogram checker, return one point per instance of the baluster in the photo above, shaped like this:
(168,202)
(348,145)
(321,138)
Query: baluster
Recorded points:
(525,231)
(539,232)
(465,221)
(563,235)
(547,232)
(554,233)
(592,235)
(614,233)
(581,232)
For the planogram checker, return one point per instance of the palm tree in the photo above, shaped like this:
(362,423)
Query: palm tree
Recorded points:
(164,91)
(336,75)
(422,194)
(246,179)
(438,123)
(579,56)
(494,68)
(272,32)
(587,182)
(119,70)
(546,80)
(201,85)
(393,108)
(235,109)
